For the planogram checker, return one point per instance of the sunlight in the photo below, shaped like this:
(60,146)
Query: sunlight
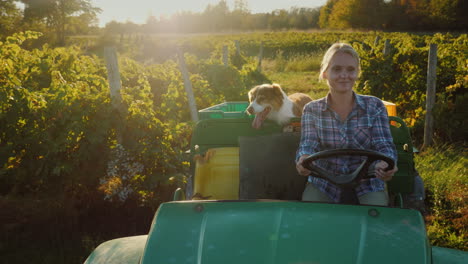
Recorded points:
(138,11)
(20,5)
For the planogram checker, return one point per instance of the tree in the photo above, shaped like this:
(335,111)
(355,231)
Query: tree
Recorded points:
(340,15)
(303,18)
(215,16)
(114,28)
(239,16)
(416,12)
(313,17)
(241,6)
(279,19)
(325,12)
(366,14)
(10,16)
(448,14)
(297,18)
(395,16)
(61,15)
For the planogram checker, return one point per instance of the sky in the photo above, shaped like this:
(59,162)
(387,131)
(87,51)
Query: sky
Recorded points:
(138,11)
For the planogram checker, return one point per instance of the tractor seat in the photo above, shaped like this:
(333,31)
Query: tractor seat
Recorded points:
(267,168)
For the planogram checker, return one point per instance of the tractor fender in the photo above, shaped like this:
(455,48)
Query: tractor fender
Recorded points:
(126,250)
(442,255)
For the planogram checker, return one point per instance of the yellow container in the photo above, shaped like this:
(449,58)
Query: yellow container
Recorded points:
(217,175)
(391,108)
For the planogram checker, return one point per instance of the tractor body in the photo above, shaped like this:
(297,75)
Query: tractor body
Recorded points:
(244,206)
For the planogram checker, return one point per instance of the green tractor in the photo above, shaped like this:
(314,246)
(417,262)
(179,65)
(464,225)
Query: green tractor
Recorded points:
(244,206)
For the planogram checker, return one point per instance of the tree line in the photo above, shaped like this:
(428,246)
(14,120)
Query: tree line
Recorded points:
(61,18)
(391,15)
(57,19)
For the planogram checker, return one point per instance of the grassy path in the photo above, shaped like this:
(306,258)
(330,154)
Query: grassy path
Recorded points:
(299,82)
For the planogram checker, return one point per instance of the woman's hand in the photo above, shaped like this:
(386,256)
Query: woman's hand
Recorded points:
(381,173)
(300,169)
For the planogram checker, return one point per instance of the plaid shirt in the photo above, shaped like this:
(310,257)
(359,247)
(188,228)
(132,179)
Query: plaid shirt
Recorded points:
(366,127)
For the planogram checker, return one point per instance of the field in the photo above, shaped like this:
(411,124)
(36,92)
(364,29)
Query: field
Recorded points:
(78,169)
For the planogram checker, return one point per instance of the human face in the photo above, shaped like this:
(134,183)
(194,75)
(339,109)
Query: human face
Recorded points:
(342,73)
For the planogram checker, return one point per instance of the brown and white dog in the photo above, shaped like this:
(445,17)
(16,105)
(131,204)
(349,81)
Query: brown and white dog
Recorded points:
(269,101)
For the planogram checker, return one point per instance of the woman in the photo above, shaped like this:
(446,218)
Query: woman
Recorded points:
(344,119)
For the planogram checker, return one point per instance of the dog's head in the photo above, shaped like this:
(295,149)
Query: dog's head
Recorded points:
(263,98)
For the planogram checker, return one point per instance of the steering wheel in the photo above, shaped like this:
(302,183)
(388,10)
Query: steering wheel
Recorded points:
(344,179)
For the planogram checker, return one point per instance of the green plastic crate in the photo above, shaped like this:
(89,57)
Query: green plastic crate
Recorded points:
(225,110)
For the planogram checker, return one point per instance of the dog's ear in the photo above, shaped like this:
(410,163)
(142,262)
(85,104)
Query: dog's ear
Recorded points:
(252,93)
(277,89)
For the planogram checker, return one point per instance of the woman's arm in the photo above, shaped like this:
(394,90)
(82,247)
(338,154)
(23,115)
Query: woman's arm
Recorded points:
(382,141)
(309,139)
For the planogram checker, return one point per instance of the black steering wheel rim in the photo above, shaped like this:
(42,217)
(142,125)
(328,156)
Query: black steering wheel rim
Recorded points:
(345,178)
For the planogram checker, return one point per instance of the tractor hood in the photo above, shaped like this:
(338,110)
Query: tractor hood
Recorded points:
(284,232)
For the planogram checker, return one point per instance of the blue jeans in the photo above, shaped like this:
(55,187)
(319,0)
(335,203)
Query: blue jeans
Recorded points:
(311,193)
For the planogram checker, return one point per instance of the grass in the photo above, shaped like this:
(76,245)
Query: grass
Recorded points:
(296,74)
(299,82)
(444,169)
(294,63)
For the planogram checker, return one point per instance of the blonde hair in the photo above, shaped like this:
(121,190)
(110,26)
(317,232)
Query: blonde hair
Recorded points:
(335,48)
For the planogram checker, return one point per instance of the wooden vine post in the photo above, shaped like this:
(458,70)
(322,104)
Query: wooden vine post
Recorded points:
(113,76)
(377,40)
(237,44)
(225,56)
(387,46)
(188,86)
(260,57)
(430,94)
